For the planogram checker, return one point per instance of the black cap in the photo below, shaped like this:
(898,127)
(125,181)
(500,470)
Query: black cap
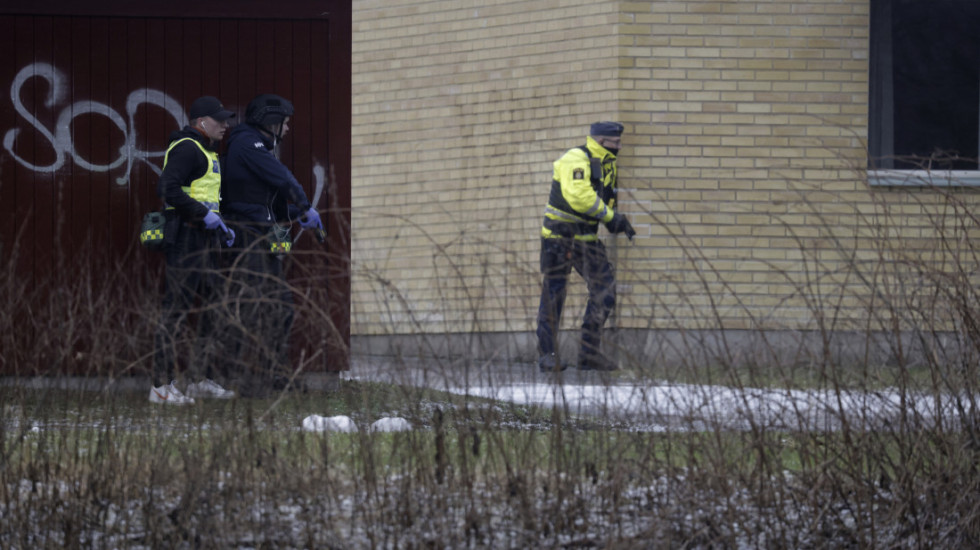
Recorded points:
(209,106)
(611,129)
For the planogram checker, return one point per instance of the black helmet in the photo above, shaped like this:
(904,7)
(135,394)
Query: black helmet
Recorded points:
(268,110)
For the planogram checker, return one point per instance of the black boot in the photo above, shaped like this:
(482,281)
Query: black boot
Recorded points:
(549,363)
(596,361)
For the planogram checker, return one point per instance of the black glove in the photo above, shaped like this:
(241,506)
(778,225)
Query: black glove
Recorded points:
(619,224)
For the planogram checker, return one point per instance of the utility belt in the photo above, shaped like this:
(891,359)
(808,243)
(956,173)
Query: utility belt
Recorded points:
(212,206)
(257,220)
(570,229)
(272,237)
(159,229)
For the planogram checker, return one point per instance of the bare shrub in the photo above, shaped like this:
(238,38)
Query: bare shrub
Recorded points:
(858,429)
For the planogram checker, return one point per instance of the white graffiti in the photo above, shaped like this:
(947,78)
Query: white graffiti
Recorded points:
(62,143)
(318,182)
(60,138)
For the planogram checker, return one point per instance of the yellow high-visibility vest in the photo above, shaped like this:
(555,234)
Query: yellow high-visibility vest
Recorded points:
(207,188)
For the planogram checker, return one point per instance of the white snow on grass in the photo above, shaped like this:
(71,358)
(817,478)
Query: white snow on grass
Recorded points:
(342,423)
(317,423)
(391,424)
(667,405)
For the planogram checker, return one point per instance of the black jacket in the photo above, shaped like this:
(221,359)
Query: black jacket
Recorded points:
(185,164)
(255,183)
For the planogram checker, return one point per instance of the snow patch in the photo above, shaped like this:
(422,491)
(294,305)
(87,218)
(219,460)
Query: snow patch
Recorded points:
(391,424)
(317,423)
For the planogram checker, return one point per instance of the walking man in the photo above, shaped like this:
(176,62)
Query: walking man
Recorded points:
(189,185)
(261,198)
(583,194)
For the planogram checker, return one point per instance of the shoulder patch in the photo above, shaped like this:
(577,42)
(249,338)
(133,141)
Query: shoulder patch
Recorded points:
(259,145)
(578,174)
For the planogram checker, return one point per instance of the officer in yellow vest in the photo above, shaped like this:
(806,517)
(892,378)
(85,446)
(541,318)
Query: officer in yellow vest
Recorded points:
(583,195)
(190,186)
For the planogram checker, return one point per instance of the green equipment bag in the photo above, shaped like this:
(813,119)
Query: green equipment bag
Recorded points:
(152,231)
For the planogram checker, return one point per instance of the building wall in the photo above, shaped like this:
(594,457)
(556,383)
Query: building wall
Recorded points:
(91,92)
(742,168)
(748,119)
(459,108)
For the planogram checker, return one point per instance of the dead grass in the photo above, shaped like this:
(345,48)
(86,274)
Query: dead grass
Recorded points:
(90,469)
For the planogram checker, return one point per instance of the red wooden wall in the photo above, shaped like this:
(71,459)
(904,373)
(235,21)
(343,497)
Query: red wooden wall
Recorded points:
(89,95)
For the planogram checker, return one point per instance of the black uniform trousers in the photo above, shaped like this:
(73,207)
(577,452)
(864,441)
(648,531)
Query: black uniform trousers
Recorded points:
(262,318)
(589,259)
(192,258)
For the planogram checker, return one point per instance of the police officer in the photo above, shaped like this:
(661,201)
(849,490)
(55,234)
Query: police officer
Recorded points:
(189,185)
(261,198)
(583,194)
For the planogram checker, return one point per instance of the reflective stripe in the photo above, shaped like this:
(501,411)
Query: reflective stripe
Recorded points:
(564,216)
(547,233)
(151,235)
(598,209)
(558,223)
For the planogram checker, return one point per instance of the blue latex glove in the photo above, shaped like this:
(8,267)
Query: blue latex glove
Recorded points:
(213,221)
(311,220)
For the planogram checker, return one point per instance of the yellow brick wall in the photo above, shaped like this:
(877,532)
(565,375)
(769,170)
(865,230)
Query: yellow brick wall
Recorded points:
(459,109)
(747,120)
(742,167)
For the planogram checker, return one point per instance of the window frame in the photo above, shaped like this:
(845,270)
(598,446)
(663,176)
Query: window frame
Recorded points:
(881,133)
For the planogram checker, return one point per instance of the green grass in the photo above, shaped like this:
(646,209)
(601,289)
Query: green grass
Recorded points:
(473,472)
(83,428)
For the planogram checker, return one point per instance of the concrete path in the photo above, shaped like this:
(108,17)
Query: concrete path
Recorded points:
(624,398)
(654,405)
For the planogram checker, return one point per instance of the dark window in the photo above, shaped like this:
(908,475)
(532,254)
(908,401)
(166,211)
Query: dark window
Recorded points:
(925,85)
